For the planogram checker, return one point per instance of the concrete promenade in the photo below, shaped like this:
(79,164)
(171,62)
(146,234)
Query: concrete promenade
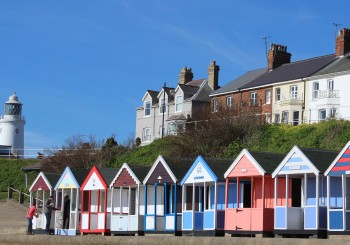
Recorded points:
(13,228)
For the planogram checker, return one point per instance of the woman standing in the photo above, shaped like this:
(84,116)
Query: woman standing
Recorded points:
(31,212)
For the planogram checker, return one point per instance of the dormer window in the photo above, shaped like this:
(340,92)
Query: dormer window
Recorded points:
(147,108)
(179,102)
(162,106)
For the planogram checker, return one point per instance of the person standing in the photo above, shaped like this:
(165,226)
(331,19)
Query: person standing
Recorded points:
(48,210)
(32,212)
(66,212)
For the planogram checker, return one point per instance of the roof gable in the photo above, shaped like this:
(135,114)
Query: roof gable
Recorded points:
(341,164)
(296,162)
(158,166)
(40,183)
(150,93)
(67,180)
(125,177)
(244,165)
(199,172)
(94,181)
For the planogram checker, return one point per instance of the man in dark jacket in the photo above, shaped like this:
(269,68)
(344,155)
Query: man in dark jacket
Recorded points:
(66,212)
(48,210)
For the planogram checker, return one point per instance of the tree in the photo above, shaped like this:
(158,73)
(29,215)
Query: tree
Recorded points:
(78,152)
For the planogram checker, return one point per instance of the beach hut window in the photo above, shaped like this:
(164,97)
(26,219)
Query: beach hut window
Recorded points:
(116,200)
(102,201)
(199,198)
(94,201)
(160,200)
(188,198)
(86,201)
(132,206)
(336,200)
(124,201)
(150,199)
(73,200)
(347,189)
(59,199)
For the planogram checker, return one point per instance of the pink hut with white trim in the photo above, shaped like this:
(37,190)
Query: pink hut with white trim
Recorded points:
(250,193)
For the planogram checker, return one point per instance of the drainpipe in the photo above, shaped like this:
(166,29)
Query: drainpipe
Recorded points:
(303,106)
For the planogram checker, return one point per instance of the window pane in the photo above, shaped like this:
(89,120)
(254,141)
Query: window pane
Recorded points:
(179,102)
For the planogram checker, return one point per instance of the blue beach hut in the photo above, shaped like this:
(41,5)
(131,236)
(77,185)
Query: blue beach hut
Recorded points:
(203,197)
(338,193)
(306,212)
(162,195)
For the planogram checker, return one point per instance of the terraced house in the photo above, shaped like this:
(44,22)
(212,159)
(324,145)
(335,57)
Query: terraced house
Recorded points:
(166,112)
(291,92)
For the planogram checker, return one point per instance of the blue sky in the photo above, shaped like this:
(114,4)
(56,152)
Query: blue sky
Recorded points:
(81,67)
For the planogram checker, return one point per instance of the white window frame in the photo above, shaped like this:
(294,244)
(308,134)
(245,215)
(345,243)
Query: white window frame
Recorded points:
(285,117)
(145,108)
(322,112)
(277,118)
(267,118)
(229,101)
(293,92)
(146,135)
(315,90)
(215,105)
(330,84)
(179,103)
(278,94)
(253,98)
(333,112)
(268,96)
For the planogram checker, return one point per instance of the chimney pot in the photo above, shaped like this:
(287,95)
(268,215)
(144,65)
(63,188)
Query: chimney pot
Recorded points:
(213,75)
(185,75)
(278,56)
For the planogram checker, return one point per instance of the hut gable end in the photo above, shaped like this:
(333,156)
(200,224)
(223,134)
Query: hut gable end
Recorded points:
(40,184)
(161,171)
(124,179)
(244,167)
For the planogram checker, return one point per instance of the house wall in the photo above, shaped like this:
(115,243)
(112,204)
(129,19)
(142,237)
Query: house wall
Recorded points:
(287,103)
(327,100)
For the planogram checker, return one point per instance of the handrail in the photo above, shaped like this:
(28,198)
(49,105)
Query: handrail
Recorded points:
(21,194)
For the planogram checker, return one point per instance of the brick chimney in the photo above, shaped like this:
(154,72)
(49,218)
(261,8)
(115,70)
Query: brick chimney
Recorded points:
(213,75)
(277,56)
(185,75)
(342,42)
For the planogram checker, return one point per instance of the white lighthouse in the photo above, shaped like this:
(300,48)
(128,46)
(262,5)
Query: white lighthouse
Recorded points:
(12,127)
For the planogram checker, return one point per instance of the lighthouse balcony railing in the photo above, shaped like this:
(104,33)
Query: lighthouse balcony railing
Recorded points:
(19,117)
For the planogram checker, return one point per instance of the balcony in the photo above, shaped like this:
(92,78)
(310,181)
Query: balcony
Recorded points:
(326,97)
(291,100)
